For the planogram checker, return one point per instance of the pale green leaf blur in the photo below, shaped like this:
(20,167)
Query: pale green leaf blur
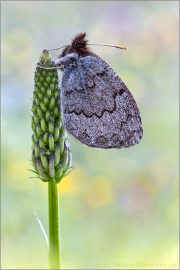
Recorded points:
(119,208)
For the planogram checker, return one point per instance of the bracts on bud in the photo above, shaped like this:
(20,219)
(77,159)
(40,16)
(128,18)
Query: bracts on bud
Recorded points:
(51,154)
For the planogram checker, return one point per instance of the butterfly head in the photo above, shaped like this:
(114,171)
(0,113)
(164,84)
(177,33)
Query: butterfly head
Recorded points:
(69,55)
(78,45)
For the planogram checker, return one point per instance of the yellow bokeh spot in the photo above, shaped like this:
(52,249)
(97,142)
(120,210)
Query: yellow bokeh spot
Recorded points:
(17,175)
(99,192)
(73,182)
(96,192)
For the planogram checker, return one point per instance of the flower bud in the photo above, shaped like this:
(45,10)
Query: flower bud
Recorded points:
(39,111)
(57,154)
(40,95)
(33,141)
(44,159)
(38,129)
(46,100)
(37,149)
(65,155)
(51,142)
(56,132)
(41,171)
(36,117)
(48,113)
(49,92)
(61,140)
(51,156)
(41,142)
(43,106)
(45,137)
(43,124)
(69,164)
(34,159)
(51,166)
(52,103)
(51,126)
(56,110)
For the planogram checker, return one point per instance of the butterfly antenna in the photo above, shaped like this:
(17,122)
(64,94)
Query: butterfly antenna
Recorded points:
(57,48)
(108,45)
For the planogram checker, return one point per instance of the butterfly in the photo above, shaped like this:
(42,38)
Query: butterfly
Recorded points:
(98,108)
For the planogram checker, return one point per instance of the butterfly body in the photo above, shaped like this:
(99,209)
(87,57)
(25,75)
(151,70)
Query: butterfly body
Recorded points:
(98,108)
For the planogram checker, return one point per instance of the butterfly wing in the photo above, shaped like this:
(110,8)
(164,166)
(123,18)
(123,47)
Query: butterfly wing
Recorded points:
(98,108)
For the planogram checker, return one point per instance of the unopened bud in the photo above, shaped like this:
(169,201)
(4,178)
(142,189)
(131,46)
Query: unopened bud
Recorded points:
(41,171)
(51,166)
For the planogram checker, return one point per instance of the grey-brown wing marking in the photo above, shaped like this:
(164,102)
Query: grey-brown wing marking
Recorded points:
(98,108)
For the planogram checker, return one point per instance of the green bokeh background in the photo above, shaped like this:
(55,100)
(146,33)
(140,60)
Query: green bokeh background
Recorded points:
(119,208)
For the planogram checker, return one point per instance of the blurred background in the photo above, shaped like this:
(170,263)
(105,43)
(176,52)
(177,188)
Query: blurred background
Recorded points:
(119,208)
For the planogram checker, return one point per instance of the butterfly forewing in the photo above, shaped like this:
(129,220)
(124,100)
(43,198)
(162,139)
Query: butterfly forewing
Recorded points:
(98,108)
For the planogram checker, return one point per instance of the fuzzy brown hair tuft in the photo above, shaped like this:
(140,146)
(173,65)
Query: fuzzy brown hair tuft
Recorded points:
(78,45)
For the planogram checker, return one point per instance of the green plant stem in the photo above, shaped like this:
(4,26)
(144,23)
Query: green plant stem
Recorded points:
(54,235)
